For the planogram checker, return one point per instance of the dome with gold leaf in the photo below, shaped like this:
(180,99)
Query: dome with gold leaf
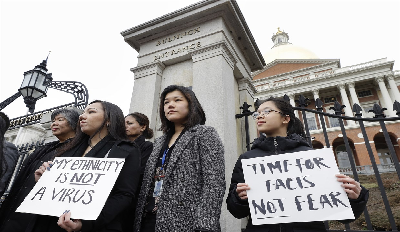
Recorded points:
(282,49)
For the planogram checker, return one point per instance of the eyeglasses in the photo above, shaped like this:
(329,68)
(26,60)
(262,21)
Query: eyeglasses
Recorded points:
(264,113)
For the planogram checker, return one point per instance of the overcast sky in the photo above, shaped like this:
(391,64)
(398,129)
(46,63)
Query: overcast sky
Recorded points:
(86,46)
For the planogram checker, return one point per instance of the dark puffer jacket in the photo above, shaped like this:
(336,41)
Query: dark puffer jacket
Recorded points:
(264,146)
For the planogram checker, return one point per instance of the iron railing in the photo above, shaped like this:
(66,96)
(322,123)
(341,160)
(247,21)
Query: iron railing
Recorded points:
(377,169)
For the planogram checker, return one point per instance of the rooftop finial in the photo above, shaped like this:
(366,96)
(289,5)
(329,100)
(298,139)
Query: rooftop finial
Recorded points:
(48,56)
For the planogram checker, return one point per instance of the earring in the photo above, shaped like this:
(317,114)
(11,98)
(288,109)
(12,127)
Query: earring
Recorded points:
(108,124)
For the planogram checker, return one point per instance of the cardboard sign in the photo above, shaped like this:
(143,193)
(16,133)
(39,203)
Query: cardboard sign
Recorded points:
(295,187)
(81,185)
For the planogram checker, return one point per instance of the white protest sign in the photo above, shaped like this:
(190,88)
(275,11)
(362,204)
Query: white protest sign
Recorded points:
(295,187)
(81,185)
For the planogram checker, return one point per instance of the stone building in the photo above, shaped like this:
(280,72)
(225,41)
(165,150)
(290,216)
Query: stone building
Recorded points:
(296,71)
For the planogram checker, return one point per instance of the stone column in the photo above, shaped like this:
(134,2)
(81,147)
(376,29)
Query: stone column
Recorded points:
(147,86)
(293,103)
(345,101)
(354,97)
(387,101)
(215,87)
(394,89)
(316,95)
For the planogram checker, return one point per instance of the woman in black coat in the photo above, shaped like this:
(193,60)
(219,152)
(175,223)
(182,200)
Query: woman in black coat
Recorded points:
(103,135)
(282,133)
(63,126)
(137,130)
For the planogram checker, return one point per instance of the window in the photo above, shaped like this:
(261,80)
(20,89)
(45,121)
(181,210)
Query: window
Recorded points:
(329,99)
(333,122)
(312,124)
(364,93)
(367,106)
(384,156)
(342,156)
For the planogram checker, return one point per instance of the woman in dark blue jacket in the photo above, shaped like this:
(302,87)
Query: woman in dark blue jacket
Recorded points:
(282,133)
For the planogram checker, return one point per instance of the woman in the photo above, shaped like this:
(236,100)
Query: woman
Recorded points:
(137,130)
(101,135)
(184,181)
(284,133)
(63,126)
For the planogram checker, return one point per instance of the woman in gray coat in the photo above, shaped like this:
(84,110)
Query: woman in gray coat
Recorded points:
(184,180)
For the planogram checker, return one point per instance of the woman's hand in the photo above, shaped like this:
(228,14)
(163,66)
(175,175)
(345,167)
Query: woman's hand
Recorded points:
(351,186)
(68,224)
(39,172)
(241,189)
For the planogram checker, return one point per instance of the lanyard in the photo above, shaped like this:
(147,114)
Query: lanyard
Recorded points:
(163,158)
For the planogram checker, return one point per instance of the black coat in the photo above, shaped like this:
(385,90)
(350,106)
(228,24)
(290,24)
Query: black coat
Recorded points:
(10,156)
(265,147)
(121,196)
(23,184)
(145,148)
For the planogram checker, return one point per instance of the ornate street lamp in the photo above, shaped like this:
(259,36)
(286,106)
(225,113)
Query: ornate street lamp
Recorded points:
(35,85)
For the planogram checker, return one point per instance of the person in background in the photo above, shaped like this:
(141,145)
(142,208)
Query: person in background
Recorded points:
(137,130)
(282,132)
(100,134)
(8,157)
(63,126)
(184,179)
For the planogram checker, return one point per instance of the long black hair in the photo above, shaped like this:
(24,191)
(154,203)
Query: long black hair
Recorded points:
(143,120)
(295,126)
(116,126)
(196,113)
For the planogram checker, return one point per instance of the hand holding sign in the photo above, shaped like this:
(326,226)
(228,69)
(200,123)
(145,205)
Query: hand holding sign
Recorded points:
(39,172)
(68,224)
(241,189)
(351,187)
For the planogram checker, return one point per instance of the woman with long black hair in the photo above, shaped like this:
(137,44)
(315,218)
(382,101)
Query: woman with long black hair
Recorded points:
(101,135)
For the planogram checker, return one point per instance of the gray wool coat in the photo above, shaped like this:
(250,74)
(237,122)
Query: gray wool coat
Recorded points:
(194,183)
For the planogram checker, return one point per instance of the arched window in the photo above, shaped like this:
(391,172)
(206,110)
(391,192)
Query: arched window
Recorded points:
(342,157)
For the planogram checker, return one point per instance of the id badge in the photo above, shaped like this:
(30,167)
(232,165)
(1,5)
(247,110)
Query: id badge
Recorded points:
(157,188)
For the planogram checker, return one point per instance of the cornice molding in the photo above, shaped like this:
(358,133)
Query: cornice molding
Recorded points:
(350,84)
(245,84)
(337,76)
(323,62)
(155,67)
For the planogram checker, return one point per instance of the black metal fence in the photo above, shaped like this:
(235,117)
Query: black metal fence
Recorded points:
(379,117)
(24,151)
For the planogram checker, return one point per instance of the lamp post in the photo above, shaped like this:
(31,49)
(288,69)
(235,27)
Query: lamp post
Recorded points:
(35,84)
(34,87)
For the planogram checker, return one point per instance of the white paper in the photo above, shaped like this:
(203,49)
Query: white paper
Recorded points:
(303,189)
(81,185)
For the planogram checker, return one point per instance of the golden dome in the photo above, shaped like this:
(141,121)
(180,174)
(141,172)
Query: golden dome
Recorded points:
(282,49)
(288,51)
